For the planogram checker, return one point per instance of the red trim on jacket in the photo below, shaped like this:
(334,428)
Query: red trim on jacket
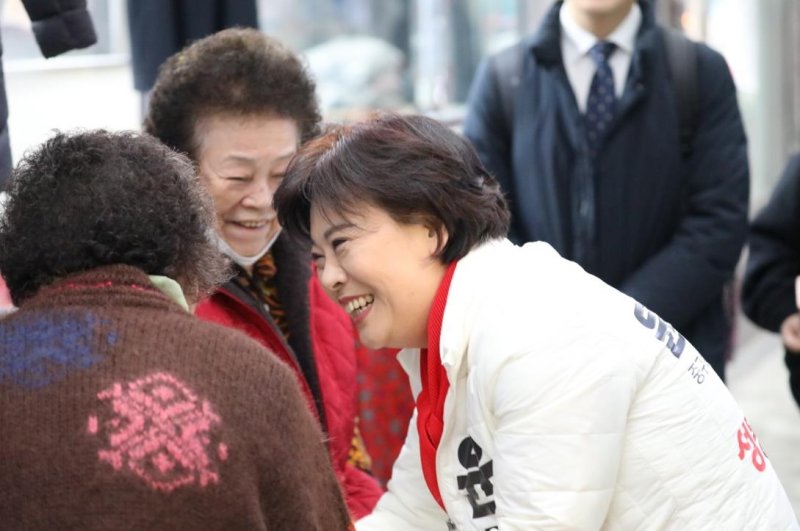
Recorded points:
(430,402)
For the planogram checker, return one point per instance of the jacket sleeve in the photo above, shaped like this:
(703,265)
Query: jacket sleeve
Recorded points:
(559,436)
(687,274)
(60,25)
(408,504)
(768,295)
(361,489)
(486,128)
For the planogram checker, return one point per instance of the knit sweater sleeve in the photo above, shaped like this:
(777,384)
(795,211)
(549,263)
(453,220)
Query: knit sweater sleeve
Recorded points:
(299,488)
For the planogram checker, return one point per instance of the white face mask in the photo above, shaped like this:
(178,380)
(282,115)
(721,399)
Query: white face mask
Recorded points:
(242,261)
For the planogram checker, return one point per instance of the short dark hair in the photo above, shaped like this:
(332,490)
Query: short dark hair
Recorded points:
(235,72)
(88,199)
(413,167)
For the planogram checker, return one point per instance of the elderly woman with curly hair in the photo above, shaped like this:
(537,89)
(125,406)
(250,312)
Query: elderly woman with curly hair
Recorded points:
(119,409)
(545,398)
(239,104)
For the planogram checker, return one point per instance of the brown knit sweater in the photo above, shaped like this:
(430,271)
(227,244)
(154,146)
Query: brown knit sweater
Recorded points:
(119,410)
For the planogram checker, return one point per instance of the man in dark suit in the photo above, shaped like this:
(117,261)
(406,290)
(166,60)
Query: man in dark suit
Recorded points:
(592,160)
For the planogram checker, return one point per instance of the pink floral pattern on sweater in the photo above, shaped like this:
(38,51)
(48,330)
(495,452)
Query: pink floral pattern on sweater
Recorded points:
(158,429)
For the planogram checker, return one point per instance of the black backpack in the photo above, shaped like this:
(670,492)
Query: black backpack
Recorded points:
(681,55)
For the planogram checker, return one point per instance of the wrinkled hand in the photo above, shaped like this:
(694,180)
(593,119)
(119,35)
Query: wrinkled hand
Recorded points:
(790,332)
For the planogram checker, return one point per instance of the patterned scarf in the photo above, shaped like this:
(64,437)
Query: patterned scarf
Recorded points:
(358,455)
(264,286)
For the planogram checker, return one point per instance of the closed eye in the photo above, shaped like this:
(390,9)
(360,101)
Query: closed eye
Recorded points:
(338,242)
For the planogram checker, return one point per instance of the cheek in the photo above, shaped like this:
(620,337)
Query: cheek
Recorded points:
(356,270)
(224,199)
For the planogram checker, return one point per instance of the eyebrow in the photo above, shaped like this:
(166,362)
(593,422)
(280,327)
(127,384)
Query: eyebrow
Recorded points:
(287,156)
(335,228)
(250,160)
(238,158)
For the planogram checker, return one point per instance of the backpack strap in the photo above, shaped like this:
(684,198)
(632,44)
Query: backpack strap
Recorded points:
(682,58)
(507,66)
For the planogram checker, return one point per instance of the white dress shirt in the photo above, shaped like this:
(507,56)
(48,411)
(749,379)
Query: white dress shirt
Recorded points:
(575,45)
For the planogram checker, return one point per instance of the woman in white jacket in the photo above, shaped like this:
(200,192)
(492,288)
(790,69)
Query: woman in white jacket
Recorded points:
(545,398)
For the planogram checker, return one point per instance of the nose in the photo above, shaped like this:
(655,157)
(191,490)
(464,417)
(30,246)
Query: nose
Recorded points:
(259,194)
(332,276)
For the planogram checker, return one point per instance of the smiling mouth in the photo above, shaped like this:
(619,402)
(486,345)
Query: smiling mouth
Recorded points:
(358,305)
(250,224)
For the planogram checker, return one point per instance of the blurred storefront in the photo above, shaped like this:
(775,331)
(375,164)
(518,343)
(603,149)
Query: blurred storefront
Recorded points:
(420,55)
(761,41)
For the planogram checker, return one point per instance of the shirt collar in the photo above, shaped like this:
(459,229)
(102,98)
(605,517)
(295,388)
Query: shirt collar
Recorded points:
(624,36)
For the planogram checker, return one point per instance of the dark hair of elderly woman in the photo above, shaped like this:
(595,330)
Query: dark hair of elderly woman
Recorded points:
(119,409)
(546,398)
(238,72)
(414,168)
(79,202)
(239,104)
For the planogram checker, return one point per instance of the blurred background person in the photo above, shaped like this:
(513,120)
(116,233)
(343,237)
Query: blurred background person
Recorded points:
(121,410)
(239,104)
(771,292)
(160,28)
(58,27)
(596,158)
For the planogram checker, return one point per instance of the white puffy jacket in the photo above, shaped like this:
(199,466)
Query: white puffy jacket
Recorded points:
(573,407)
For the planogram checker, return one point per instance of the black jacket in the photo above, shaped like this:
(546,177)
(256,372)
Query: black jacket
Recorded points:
(59,26)
(160,28)
(666,230)
(774,258)
(773,263)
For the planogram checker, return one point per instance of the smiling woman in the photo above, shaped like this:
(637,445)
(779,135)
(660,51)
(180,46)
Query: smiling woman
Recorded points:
(242,162)
(239,104)
(381,236)
(379,271)
(545,398)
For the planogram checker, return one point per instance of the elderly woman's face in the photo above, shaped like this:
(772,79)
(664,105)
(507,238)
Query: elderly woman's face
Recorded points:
(242,162)
(383,273)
